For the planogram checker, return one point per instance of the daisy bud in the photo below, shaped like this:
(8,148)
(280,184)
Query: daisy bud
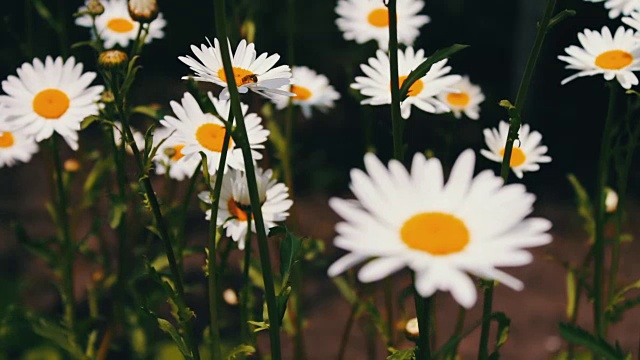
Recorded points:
(113,59)
(230,297)
(611,200)
(95,8)
(411,330)
(107,97)
(170,152)
(143,11)
(71,165)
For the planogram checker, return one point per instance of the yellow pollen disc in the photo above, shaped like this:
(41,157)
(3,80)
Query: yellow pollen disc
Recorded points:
(416,87)
(6,139)
(236,211)
(379,17)
(211,137)
(302,93)
(614,60)
(460,99)
(178,153)
(436,233)
(241,75)
(51,103)
(517,157)
(120,25)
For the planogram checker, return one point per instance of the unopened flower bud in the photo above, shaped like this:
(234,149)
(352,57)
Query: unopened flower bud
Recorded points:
(611,200)
(107,97)
(170,152)
(95,7)
(411,329)
(230,297)
(113,59)
(143,11)
(71,165)
(97,276)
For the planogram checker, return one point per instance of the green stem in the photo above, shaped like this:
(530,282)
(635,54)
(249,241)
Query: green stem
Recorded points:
(256,206)
(245,306)
(515,121)
(422,312)
(123,251)
(96,33)
(68,246)
(462,313)
(599,244)
(396,118)
(388,303)
(344,339)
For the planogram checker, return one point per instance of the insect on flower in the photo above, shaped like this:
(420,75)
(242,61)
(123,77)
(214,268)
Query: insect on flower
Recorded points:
(251,78)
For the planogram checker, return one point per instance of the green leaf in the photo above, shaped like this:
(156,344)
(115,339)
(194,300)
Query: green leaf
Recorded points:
(424,68)
(406,354)
(168,328)
(572,289)
(502,335)
(289,251)
(243,349)
(117,211)
(584,205)
(148,110)
(260,325)
(561,16)
(88,121)
(57,334)
(579,336)
(281,301)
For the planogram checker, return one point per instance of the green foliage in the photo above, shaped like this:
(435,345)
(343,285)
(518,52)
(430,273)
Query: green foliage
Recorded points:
(585,209)
(240,351)
(406,354)
(572,289)
(58,334)
(579,336)
(504,324)
(168,328)
(41,249)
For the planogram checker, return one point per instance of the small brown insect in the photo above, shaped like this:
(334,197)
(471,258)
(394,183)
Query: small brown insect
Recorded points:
(252,78)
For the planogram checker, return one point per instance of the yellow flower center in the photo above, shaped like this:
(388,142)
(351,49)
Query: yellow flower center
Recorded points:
(302,93)
(241,75)
(379,17)
(51,103)
(459,99)
(178,153)
(235,210)
(517,157)
(120,25)
(414,89)
(614,60)
(436,233)
(211,137)
(6,140)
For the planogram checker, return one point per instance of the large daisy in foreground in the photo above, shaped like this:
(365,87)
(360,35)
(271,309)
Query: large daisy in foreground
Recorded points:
(423,93)
(49,97)
(441,231)
(526,156)
(312,91)
(15,146)
(364,20)
(617,7)
(199,131)
(250,73)
(235,203)
(116,26)
(614,56)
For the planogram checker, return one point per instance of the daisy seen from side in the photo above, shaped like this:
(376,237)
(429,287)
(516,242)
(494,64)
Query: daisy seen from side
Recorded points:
(169,157)
(376,85)
(466,100)
(441,231)
(365,20)
(116,27)
(235,204)
(250,72)
(200,131)
(527,156)
(49,97)
(312,90)
(615,56)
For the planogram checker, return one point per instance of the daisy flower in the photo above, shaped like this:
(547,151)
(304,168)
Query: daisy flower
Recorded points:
(116,26)
(364,20)
(467,100)
(614,56)
(442,232)
(311,89)
(250,73)
(14,145)
(234,203)
(633,20)
(617,7)
(49,97)
(199,131)
(169,157)
(138,137)
(422,93)
(526,157)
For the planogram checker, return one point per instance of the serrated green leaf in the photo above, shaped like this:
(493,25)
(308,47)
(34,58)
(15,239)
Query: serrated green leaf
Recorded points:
(168,328)
(579,336)
(289,251)
(424,68)
(243,349)
(406,354)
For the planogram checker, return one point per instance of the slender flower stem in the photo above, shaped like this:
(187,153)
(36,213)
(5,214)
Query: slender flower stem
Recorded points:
(245,306)
(256,205)
(598,245)
(462,313)
(68,246)
(396,118)
(515,121)
(123,250)
(347,330)
(388,304)
(422,312)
